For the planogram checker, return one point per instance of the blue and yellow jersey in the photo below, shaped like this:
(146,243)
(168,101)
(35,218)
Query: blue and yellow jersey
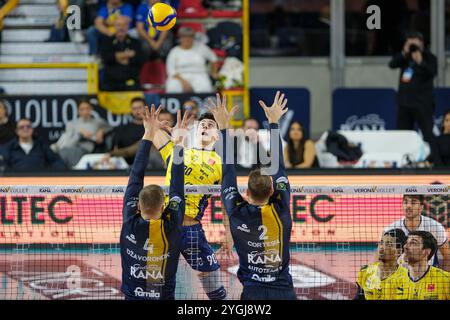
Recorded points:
(201,167)
(261,234)
(142,15)
(433,285)
(150,249)
(372,287)
(110,14)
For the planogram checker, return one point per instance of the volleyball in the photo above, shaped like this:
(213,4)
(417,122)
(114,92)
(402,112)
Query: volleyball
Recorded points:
(162,16)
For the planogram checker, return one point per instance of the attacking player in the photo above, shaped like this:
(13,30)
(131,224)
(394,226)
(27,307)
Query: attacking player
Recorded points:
(377,281)
(414,220)
(261,226)
(422,281)
(151,234)
(202,167)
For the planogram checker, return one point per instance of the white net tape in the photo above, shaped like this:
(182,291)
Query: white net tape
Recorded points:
(215,189)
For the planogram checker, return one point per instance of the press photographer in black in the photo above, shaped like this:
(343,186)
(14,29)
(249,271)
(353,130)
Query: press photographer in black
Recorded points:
(415,97)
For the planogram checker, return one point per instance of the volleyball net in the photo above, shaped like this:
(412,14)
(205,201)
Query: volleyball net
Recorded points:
(62,242)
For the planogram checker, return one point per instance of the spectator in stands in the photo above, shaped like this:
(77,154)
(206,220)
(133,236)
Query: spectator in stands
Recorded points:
(248,149)
(156,44)
(415,98)
(443,142)
(58,32)
(82,135)
(186,65)
(28,153)
(166,116)
(104,26)
(300,152)
(127,137)
(122,58)
(194,111)
(7,126)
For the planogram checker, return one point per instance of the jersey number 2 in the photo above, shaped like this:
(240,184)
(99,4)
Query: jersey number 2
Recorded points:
(263,233)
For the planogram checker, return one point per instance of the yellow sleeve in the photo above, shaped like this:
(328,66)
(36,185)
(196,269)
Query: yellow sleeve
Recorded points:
(361,279)
(447,284)
(219,172)
(166,151)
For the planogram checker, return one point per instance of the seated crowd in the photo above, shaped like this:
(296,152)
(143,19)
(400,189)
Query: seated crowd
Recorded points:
(115,147)
(90,135)
(121,39)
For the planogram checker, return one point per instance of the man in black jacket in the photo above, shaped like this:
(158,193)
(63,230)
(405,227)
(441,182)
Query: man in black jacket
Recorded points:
(28,153)
(415,97)
(122,57)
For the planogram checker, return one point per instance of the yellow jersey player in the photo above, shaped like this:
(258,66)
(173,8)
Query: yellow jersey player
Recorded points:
(422,281)
(378,280)
(203,166)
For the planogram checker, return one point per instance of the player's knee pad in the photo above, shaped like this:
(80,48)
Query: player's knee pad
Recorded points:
(212,285)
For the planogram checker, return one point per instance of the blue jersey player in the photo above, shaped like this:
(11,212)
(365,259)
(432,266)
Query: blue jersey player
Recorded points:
(261,226)
(151,234)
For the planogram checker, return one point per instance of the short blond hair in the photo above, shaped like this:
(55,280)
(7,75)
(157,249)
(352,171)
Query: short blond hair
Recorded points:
(151,197)
(259,186)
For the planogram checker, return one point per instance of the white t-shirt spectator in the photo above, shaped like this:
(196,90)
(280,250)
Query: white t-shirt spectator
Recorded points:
(191,65)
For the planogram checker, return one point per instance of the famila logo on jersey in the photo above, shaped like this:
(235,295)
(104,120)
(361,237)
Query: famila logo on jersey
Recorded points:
(139,292)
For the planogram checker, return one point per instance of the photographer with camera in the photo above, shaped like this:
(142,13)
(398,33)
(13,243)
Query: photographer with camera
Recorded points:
(415,97)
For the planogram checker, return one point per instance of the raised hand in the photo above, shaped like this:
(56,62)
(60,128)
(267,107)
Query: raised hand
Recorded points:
(220,112)
(151,122)
(278,108)
(180,130)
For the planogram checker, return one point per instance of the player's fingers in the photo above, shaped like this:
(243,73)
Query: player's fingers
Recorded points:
(152,111)
(185,118)
(277,95)
(283,105)
(212,105)
(263,105)
(158,111)
(146,113)
(234,110)
(224,102)
(178,117)
(219,102)
(191,117)
(280,100)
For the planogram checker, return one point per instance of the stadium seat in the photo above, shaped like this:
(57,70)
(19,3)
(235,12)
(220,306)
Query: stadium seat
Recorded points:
(153,76)
(221,55)
(192,9)
(226,14)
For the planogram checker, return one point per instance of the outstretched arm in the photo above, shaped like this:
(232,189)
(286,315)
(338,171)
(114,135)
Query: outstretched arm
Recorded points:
(176,205)
(136,180)
(281,187)
(229,192)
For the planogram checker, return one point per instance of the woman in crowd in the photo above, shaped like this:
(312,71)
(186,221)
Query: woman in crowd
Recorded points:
(443,142)
(299,152)
(186,65)
(7,127)
(82,135)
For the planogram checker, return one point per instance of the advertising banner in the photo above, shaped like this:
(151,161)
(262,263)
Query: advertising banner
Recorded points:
(376,108)
(364,109)
(87,215)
